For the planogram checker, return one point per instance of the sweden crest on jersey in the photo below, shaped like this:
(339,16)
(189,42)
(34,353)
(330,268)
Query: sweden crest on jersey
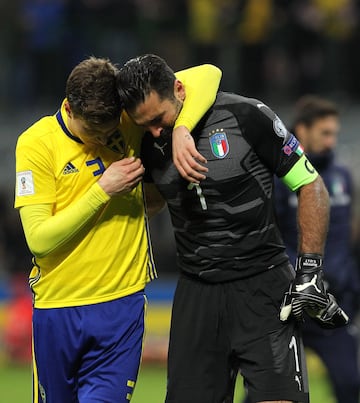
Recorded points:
(219,144)
(117,144)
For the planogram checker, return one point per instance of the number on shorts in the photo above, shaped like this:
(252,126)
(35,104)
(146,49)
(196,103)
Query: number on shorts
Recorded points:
(293,345)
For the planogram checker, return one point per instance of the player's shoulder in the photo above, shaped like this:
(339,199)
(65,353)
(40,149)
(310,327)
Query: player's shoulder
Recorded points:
(240,104)
(224,97)
(39,130)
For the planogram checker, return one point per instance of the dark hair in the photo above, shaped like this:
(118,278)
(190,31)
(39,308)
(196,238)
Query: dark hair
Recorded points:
(91,91)
(310,108)
(141,75)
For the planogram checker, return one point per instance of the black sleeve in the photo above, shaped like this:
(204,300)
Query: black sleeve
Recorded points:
(276,147)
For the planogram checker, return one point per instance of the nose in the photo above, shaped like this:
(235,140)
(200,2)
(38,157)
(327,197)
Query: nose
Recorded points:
(155,131)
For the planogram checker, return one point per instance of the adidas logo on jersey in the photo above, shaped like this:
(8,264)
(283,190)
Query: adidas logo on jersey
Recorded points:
(69,169)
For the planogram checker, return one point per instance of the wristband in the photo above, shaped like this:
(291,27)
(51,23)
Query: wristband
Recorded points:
(309,262)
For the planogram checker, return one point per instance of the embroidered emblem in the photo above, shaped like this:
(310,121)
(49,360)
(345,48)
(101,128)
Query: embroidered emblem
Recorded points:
(279,127)
(299,151)
(219,143)
(116,143)
(291,145)
(70,168)
(25,183)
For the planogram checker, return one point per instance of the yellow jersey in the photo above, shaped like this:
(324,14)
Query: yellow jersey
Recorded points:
(110,256)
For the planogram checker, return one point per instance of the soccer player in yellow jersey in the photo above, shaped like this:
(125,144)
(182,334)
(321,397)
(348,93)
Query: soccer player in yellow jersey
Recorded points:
(79,193)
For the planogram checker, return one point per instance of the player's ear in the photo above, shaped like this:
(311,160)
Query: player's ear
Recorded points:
(67,108)
(179,90)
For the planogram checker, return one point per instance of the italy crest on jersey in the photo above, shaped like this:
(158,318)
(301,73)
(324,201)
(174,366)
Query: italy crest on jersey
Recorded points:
(219,144)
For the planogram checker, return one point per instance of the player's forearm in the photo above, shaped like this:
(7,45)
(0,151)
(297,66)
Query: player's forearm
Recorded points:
(46,232)
(201,84)
(313,217)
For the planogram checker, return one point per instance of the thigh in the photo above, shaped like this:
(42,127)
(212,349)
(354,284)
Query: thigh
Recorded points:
(56,355)
(198,363)
(90,353)
(274,367)
(270,353)
(111,359)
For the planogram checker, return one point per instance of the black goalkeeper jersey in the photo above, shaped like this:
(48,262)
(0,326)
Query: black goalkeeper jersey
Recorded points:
(225,227)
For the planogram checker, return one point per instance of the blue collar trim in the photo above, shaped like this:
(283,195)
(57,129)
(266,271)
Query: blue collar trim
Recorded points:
(65,129)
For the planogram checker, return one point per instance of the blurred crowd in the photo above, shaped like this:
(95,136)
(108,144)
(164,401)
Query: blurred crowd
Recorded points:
(282,48)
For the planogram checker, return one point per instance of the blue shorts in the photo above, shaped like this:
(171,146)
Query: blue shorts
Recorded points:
(89,353)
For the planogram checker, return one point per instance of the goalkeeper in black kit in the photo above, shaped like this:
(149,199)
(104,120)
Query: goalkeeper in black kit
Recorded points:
(238,301)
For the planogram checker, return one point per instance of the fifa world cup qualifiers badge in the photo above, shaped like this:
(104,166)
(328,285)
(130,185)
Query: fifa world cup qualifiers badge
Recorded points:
(219,143)
(24,183)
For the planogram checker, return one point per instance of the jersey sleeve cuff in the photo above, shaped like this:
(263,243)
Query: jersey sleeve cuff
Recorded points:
(184,121)
(97,195)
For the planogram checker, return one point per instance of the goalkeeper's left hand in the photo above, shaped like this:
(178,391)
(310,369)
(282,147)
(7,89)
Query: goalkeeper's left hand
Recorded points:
(307,293)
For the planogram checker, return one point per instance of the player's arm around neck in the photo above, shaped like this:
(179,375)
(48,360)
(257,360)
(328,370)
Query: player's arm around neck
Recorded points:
(201,85)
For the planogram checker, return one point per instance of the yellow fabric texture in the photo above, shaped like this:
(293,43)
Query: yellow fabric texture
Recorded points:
(80,261)
(40,225)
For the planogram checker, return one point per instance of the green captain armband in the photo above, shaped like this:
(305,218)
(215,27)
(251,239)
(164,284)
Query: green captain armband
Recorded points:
(300,174)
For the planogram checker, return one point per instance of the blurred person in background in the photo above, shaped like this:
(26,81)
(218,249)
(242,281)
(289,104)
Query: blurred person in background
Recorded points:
(234,35)
(238,300)
(44,39)
(80,199)
(316,124)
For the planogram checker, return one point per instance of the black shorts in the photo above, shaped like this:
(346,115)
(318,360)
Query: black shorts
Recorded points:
(220,329)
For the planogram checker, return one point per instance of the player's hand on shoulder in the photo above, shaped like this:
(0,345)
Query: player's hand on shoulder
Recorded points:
(186,157)
(308,293)
(122,176)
